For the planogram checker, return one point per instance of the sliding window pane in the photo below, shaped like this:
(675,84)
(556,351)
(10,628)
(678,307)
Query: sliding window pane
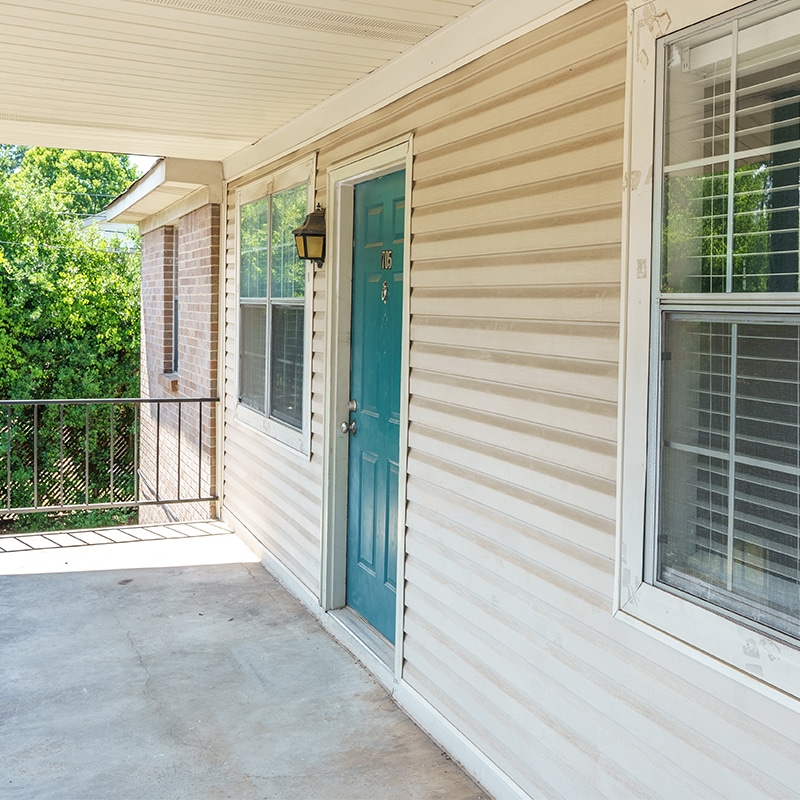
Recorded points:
(288,325)
(288,271)
(730,465)
(252,357)
(731,218)
(254,249)
(698,99)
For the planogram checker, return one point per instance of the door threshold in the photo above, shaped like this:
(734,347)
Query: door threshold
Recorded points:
(369,646)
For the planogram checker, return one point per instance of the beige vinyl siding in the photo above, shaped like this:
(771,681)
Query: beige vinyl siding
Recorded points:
(516,226)
(509,568)
(508,631)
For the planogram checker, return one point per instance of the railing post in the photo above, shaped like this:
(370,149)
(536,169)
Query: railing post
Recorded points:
(111,454)
(8,459)
(180,424)
(136,431)
(199,448)
(158,447)
(35,455)
(86,459)
(61,453)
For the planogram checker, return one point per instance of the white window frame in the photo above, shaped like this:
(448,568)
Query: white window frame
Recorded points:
(766,663)
(296,440)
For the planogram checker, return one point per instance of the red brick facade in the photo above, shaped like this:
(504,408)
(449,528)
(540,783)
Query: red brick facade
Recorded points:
(194,243)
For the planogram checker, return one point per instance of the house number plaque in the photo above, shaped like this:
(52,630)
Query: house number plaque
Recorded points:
(386,259)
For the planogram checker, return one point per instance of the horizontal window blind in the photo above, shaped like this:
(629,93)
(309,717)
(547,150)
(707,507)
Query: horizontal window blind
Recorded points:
(730,494)
(728,476)
(288,324)
(732,158)
(253,357)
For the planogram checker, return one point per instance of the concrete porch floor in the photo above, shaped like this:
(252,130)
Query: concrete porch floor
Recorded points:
(190,680)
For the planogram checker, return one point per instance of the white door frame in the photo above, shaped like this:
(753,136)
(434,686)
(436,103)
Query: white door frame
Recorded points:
(339,267)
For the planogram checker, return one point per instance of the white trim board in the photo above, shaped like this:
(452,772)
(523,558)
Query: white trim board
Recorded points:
(395,155)
(473,760)
(484,28)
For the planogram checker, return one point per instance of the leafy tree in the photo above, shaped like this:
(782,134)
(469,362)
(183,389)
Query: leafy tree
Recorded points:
(69,317)
(69,299)
(83,182)
(696,230)
(11,156)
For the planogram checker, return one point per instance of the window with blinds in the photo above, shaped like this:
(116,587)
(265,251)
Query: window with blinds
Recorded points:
(272,306)
(728,385)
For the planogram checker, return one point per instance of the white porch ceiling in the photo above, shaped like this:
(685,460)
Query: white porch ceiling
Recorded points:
(196,79)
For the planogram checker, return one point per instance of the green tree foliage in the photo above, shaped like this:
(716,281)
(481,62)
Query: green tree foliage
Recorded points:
(69,320)
(696,230)
(11,156)
(82,182)
(69,298)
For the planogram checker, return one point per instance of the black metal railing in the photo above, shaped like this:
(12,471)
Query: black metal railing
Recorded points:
(69,455)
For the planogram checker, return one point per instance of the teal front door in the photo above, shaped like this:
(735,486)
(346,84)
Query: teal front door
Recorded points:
(376,346)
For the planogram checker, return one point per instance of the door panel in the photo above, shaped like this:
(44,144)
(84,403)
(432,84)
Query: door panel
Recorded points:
(390,557)
(368,478)
(376,347)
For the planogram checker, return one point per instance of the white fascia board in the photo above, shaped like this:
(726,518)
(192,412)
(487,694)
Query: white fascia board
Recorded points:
(484,28)
(167,182)
(190,200)
(121,206)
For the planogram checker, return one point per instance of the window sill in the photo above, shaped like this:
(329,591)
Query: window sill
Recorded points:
(168,381)
(290,439)
(751,657)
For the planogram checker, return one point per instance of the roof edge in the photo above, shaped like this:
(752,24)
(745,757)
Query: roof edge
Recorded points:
(480,30)
(167,182)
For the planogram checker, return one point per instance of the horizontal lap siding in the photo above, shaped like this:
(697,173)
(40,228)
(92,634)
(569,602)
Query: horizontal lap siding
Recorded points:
(515,302)
(514,378)
(515,293)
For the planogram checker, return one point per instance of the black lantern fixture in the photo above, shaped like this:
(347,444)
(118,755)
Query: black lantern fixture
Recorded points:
(310,237)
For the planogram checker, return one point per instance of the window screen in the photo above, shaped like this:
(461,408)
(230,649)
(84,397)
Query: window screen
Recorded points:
(287,363)
(730,464)
(272,307)
(728,516)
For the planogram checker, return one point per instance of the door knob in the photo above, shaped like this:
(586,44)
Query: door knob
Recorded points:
(348,427)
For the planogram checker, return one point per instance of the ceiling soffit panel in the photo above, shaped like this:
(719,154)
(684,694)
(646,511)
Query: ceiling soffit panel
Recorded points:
(204,79)
(311,18)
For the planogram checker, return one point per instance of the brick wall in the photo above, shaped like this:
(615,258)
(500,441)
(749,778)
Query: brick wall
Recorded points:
(185,462)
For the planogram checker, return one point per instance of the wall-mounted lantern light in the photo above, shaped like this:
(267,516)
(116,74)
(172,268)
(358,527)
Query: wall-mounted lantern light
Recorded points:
(310,237)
